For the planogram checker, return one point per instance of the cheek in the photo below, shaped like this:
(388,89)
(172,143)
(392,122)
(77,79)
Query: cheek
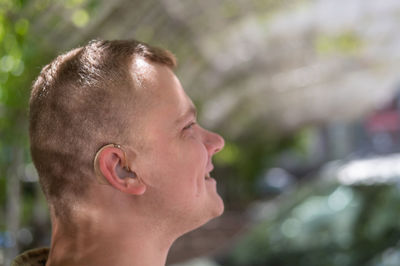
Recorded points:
(192,156)
(193,164)
(177,165)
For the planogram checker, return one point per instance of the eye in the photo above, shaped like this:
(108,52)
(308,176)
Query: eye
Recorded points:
(190,125)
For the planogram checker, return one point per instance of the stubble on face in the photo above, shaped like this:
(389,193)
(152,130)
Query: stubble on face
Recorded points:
(173,168)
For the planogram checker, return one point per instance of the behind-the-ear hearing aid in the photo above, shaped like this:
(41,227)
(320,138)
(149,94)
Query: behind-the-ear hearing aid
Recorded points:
(124,164)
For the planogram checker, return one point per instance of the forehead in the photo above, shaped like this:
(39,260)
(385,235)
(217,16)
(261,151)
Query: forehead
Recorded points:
(156,81)
(161,92)
(144,73)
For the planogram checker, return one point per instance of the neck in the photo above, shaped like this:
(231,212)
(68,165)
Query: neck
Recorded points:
(108,241)
(147,253)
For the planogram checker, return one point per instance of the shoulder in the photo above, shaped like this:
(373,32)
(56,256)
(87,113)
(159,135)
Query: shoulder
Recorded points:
(33,257)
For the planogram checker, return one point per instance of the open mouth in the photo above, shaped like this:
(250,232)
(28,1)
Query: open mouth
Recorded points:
(208,177)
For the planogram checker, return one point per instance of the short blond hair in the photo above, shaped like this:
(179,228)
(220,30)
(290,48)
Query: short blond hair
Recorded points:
(75,108)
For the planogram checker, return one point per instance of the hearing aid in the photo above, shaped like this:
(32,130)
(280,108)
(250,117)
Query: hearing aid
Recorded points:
(99,176)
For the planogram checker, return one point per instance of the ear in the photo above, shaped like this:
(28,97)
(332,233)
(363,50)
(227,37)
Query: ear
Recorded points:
(112,164)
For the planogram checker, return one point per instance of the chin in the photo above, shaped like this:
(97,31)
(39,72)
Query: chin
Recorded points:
(213,210)
(217,208)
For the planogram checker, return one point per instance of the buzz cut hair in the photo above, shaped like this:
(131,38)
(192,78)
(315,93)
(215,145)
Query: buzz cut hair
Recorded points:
(81,101)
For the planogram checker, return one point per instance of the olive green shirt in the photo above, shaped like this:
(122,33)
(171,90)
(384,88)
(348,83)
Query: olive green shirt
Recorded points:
(33,257)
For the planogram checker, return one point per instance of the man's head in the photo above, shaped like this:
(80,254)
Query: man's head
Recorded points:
(122,93)
(81,101)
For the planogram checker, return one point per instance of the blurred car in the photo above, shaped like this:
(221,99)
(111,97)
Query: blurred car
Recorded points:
(349,215)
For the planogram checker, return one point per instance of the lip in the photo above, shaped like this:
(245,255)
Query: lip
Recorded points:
(210,180)
(209,168)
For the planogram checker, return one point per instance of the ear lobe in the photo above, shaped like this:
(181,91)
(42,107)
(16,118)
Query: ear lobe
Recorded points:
(112,165)
(135,186)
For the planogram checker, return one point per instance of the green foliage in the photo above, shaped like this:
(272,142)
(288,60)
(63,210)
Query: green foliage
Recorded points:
(244,160)
(344,43)
(335,225)
(230,10)
(21,57)
(229,155)
(2,194)
(80,17)
(27,207)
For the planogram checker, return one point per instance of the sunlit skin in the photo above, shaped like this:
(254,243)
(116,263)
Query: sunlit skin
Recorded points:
(137,214)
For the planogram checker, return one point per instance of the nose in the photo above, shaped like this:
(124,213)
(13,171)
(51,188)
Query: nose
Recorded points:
(214,142)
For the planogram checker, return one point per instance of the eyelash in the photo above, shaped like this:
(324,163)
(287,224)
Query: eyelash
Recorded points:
(189,126)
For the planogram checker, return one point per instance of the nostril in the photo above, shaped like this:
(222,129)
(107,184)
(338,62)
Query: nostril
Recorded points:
(213,141)
(219,143)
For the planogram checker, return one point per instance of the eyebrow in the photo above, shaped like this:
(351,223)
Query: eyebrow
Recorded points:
(191,111)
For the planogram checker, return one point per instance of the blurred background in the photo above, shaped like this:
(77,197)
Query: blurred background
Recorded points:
(305,92)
